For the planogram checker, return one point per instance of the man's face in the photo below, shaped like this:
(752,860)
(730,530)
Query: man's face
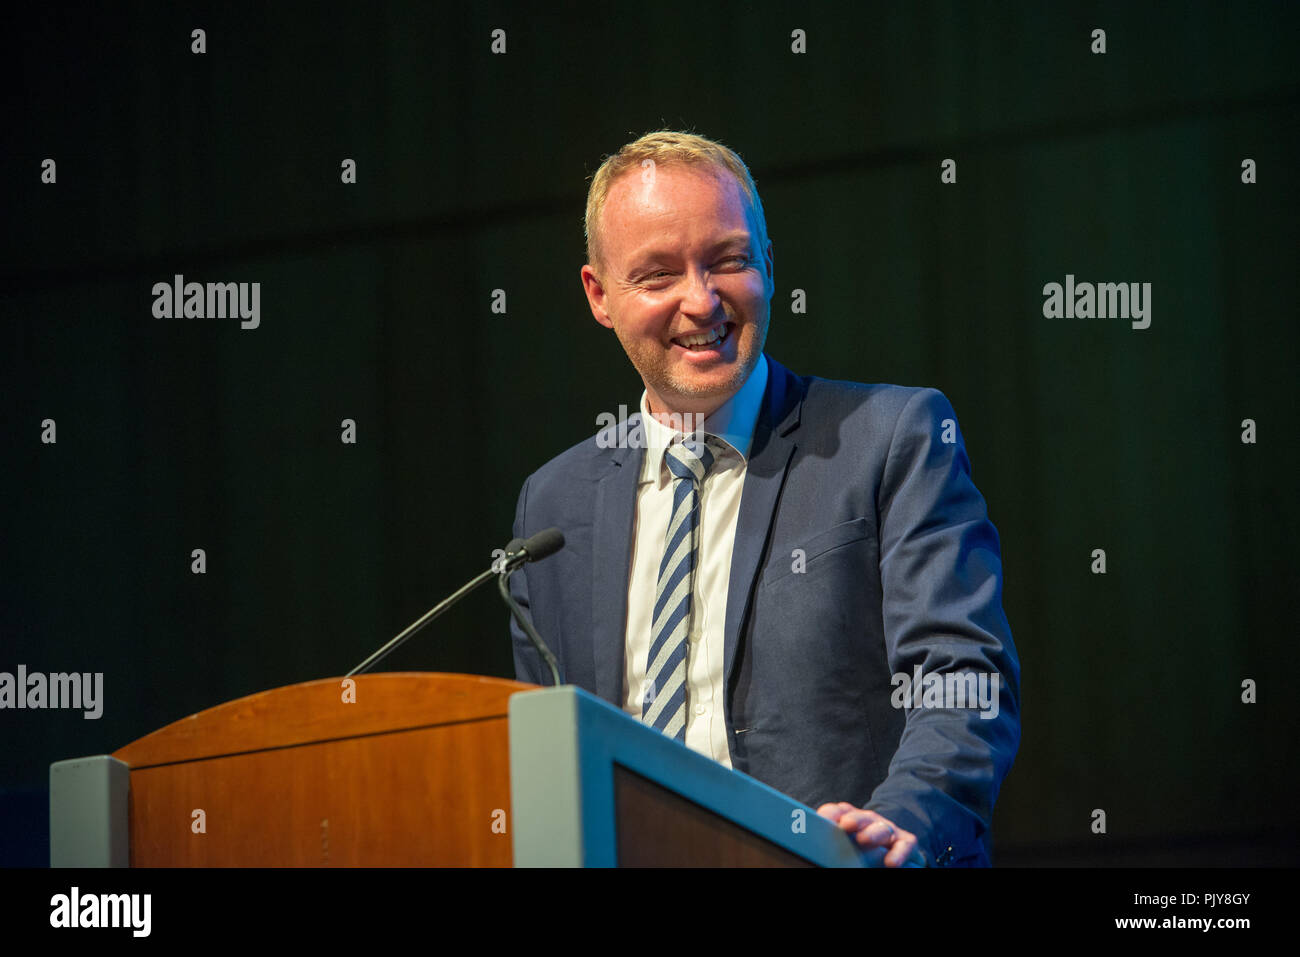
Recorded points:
(683,285)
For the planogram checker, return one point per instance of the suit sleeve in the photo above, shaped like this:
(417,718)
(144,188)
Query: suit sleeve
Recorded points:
(941,577)
(528,663)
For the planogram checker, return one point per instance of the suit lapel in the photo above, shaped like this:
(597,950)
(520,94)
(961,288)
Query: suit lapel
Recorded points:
(769,460)
(615,514)
(614,525)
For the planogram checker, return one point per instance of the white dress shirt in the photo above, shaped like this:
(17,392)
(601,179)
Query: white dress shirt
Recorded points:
(732,428)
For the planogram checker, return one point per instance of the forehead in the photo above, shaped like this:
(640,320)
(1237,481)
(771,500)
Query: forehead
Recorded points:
(676,203)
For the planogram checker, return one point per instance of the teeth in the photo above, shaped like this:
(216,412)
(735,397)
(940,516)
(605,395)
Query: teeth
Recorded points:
(717,334)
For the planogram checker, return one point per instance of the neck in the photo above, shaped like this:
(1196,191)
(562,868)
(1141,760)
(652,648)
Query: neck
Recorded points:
(684,416)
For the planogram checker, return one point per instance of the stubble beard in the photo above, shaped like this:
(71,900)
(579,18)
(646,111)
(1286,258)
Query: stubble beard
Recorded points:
(657,372)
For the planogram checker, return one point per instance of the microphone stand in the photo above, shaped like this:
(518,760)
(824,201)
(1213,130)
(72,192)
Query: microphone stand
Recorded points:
(423,620)
(526,625)
(517,552)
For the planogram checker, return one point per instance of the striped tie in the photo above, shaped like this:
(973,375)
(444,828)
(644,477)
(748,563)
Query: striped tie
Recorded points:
(663,705)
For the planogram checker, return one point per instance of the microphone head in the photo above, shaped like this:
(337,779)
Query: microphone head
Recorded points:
(544,544)
(514,545)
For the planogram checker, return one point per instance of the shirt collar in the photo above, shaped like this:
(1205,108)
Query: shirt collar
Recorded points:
(733,423)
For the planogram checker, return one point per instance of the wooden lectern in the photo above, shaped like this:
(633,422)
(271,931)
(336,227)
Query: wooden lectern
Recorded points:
(423,770)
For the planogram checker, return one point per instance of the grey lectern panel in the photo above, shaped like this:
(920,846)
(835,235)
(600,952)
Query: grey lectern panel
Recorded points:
(89,826)
(568,749)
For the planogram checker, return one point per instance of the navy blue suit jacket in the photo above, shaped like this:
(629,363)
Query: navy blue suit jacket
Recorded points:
(901,569)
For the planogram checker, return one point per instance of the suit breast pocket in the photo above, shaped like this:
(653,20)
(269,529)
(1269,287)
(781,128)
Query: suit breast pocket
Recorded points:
(817,548)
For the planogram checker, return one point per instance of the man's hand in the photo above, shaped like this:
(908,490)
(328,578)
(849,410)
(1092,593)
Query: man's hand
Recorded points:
(872,830)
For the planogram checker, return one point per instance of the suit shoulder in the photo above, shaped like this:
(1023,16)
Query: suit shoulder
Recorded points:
(586,459)
(881,402)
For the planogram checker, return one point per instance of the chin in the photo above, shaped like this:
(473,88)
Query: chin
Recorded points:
(720,382)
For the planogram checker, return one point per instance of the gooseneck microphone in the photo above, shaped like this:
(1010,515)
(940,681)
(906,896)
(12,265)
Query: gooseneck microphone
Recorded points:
(540,546)
(517,552)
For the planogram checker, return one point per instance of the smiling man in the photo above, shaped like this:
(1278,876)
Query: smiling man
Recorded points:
(754,584)
(682,272)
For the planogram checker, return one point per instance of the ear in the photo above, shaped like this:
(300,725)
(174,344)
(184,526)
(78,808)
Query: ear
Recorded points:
(596,297)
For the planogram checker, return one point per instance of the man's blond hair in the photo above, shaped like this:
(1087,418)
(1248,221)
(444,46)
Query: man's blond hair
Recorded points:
(666,148)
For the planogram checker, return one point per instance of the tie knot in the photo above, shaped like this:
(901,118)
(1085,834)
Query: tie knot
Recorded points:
(690,458)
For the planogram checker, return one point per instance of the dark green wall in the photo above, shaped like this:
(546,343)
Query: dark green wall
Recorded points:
(178,434)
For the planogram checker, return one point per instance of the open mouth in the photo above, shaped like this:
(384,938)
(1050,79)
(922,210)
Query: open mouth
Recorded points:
(707,339)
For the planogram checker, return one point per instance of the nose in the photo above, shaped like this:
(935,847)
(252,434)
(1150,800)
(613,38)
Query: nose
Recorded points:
(701,297)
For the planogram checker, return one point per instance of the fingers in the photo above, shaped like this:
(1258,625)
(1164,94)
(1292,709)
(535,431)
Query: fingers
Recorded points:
(877,834)
(903,852)
(872,829)
(834,812)
(864,821)
(875,831)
